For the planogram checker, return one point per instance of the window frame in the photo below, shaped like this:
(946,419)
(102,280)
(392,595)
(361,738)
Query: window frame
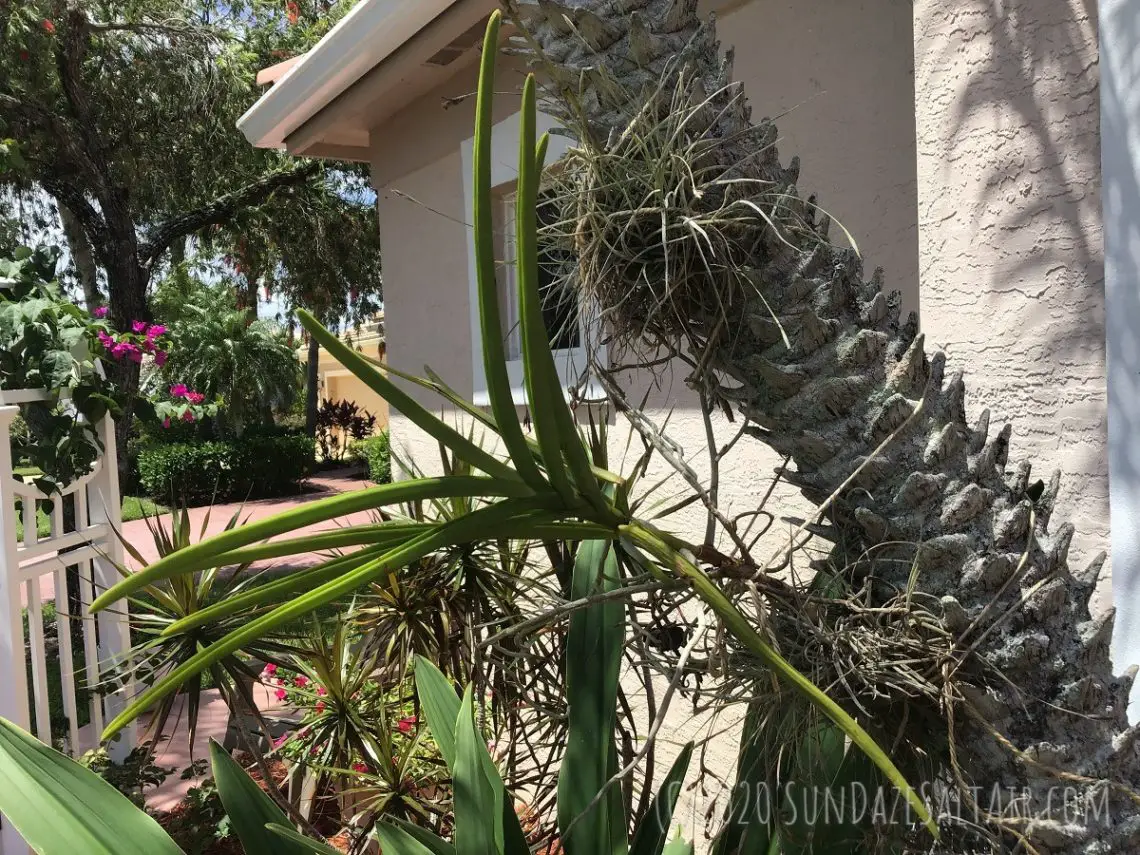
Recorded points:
(570,363)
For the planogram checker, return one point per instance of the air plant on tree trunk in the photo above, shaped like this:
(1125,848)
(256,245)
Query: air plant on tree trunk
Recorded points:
(705,248)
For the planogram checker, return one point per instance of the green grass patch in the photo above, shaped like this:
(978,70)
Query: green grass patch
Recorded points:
(134,508)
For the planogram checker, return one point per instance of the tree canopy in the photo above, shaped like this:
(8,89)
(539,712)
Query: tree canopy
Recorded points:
(123,113)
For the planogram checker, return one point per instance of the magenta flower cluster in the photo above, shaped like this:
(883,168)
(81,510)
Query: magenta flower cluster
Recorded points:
(143,338)
(180,391)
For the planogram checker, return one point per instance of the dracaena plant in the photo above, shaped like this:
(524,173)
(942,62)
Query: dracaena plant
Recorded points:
(548,490)
(167,601)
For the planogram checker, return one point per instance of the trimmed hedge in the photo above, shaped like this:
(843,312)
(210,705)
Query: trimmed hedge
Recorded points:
(254,466)
(377,453)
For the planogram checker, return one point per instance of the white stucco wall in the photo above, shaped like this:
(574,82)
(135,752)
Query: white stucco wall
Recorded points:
(1010,232)
(1120,144)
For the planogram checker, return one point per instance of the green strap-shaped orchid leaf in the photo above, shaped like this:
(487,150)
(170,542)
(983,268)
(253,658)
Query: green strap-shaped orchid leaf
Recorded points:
(490,321)
(59,807)
(250,810)
(305,845)
(478,802)
(395,840)
(652,833)
(544,392)
(528,528)
(201,555)
(594,645)
(443,711)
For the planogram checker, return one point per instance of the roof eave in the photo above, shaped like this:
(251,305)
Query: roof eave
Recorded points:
(361,40)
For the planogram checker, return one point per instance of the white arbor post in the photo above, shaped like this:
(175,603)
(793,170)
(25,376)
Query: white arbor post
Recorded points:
(33,572)
(13,668)
(105,509)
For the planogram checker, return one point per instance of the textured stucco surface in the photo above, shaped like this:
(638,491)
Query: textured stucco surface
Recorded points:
(1010,236)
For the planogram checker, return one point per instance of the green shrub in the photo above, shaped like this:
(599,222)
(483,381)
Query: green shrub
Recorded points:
(376,453)
(254,466)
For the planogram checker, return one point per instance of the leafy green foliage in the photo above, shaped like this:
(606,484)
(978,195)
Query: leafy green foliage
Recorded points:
(47,342)
(223,354)
(252,466)
(133,775)
(60,806)
(357,729)
(548,491)
(158,606)
(376,452)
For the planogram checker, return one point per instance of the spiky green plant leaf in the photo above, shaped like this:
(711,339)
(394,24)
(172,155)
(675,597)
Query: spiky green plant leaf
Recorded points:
(652,834)
(250,809)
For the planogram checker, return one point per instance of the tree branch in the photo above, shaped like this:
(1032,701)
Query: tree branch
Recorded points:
(221,209)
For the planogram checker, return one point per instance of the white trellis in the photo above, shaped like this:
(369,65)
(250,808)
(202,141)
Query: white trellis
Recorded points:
(25,565)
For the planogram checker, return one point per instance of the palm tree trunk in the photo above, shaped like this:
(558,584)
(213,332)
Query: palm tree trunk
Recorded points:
(312,379)
(938,497)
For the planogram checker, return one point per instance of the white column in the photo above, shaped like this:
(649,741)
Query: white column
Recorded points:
(1011,251)
(1120,164)
(13,674)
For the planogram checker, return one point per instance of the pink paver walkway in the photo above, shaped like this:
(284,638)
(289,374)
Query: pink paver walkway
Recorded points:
(137,534)
(174,752)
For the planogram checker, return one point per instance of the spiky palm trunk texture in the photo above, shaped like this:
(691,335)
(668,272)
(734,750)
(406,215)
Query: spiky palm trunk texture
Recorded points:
(855,373)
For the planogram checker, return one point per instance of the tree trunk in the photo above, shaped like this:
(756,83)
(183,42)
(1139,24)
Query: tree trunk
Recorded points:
(829,381)
(127,283)
(312,378)
(82,257)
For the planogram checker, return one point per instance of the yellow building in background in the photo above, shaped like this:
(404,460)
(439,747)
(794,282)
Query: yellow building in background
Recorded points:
(337,383)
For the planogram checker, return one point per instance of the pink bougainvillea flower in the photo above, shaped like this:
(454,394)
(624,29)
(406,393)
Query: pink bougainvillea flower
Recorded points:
(188,416)
(160,358)
(100,312)
(195,397)
(178,390)
(322,691)
(280,740)
(136,355)
(280,694)
(147,345)
(269,670)
(155,330)
(138,326)
(320,707)
(405,725)
(166,422)
(104,339)
(359,767)
(301,681)
(119,350)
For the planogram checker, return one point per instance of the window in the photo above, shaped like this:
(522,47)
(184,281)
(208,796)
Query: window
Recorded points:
(560,313)
(570,334)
